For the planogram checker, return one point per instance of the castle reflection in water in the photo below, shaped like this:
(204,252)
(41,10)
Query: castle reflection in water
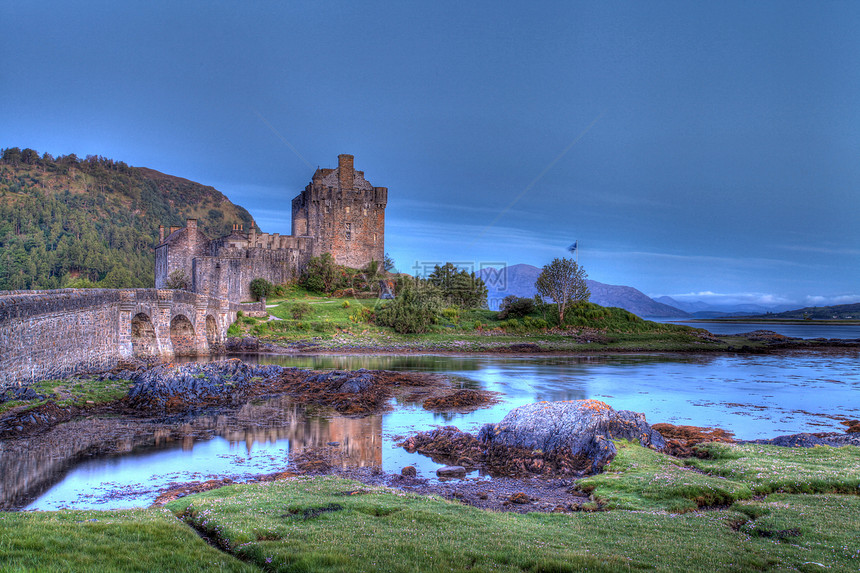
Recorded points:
(29,467)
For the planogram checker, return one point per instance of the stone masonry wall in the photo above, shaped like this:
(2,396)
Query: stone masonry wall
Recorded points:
(52,334)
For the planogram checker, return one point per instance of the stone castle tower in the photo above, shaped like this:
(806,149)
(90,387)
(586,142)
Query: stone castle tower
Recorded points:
(343,213)
(339,212)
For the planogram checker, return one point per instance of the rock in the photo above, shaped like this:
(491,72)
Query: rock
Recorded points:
(578,429)
(409,471)
(804,440)
(451,472)
(343,382)
(192,383)
(519,497)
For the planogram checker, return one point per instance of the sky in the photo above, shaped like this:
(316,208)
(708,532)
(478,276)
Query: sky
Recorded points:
(701,150)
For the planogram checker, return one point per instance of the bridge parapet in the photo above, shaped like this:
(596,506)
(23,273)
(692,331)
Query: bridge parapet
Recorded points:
(51,334)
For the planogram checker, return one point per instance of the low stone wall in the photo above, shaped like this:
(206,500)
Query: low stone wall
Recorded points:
(51,334)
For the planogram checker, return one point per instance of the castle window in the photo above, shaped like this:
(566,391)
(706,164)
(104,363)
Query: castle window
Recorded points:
(364,212)
(349,231)
(346,209)
(374,237)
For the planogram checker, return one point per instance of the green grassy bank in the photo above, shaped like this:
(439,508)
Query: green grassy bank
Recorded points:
(777,509)
(344,324)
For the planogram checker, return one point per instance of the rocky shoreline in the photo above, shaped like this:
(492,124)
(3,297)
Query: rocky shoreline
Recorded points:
(534,455)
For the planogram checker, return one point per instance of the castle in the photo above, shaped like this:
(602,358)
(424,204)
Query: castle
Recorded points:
(338,212)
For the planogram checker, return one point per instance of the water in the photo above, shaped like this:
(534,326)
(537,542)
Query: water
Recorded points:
(807,331)
(752,395)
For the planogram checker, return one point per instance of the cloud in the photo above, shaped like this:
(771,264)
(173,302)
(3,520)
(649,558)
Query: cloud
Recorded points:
(817,300)
(715,298)
(763,299)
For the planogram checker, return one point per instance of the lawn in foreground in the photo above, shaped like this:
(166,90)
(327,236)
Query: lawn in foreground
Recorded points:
(336,525)
(144,540)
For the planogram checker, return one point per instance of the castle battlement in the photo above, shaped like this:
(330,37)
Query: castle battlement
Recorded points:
(339,212)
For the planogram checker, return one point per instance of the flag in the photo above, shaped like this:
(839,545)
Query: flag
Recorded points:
(572,248)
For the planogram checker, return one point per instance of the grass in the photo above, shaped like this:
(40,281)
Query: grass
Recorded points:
(330,524)
(73,392)
(142,540)
(335,525)
(345,323)
(642,479)
(770,469)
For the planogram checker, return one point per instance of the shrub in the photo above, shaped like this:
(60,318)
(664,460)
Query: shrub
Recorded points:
(515,307)
(260,288)
(345,304)
(300,310)
(321,274)
(363,314)
(452,313)
(412,312)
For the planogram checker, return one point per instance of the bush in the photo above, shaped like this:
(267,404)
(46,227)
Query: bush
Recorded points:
(515,307)
(345,304)
(412,312)
(321,274)
(260,288)
(300,310)
(452,313)
(363,314)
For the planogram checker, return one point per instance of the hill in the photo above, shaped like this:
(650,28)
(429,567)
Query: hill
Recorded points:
(71,222)
(839,311)
(520,280)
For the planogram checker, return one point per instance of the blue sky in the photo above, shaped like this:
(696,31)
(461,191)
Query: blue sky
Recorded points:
(699,150)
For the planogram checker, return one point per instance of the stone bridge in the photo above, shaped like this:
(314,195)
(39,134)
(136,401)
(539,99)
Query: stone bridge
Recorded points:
(51,334)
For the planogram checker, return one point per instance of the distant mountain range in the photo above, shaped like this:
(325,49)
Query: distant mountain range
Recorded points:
(839,311)
(520,280)
(700,309)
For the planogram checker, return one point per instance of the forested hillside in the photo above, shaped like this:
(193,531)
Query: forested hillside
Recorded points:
(94,222)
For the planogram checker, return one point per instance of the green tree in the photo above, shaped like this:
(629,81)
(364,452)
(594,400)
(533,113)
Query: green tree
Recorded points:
(321,274)
(459,287)
(563,281)
(260,288)
(388,264)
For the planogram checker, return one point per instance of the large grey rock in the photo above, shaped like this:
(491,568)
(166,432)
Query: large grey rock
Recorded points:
(582,429)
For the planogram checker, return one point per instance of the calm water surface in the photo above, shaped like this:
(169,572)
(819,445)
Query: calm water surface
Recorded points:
(753,396)
(843,331)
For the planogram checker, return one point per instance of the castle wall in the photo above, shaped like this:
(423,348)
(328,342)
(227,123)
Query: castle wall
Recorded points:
(339,212)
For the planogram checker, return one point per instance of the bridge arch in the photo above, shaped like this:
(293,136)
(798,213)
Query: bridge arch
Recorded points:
(212,331)
(144,341)
(182,336)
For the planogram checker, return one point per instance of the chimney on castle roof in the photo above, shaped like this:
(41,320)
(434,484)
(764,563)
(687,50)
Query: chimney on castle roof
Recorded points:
(191,224)
(160,234)
(345,171)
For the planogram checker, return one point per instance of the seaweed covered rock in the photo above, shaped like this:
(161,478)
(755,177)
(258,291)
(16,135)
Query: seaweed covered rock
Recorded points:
(343,381)
(170,385)
(578,429)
